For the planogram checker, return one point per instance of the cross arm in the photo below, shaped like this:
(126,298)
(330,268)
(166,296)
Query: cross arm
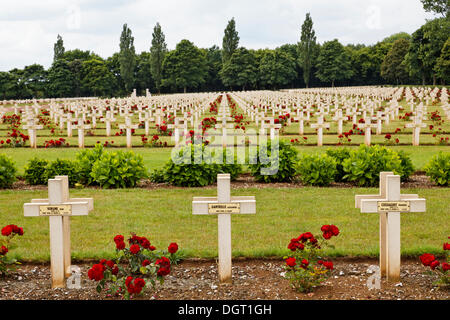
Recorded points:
(359,198)
(371,205)
(200,204)
(77,208)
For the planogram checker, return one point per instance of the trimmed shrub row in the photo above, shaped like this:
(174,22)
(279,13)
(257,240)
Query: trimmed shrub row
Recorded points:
(123,169)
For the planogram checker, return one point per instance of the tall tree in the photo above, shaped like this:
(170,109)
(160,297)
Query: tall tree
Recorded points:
(144,78)
(60,79)
(442,67)
(184,67)
(230,41)
(58,48)
(306,48)
(97,80)
(214,65)
(437,6)
(240,70)
(276,69)
(158,51)
(392,68)
(35,78)
(333,62)
(127,57)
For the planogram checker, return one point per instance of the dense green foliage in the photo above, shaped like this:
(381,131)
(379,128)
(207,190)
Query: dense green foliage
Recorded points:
(339,155)
(438,169)
(274,162)
(8,171)
(35,173)
(317,170)
(62,167)
(118,169)
(364,164)
(192,166)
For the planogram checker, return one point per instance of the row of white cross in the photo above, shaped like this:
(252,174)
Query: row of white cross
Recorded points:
(59,207)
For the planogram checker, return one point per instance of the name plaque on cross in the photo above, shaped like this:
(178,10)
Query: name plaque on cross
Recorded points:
(60,210)
(216,208)
(394,206)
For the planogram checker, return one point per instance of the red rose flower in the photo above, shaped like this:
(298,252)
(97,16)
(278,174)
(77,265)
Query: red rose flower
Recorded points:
(427,259)
(96,272)
(119,238)
(173,247)
(6,231)
(446,246)
(3,250)
(145,263)
(291,262)
(134,249)
(120,245)
(445,266)
(434,264)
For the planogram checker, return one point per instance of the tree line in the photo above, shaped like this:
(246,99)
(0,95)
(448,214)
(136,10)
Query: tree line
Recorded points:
(420,58)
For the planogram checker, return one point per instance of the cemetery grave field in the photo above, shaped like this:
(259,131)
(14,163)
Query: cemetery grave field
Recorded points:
(311,121)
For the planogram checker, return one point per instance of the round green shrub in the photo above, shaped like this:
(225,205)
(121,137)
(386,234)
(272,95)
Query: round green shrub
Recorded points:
(281,166)
(118,169)
(86,159)
(438,169)
(192,166)
(8,171)
(317,170)
(339,154)
(407,167)
(62,167)
(36,171)
(365,164)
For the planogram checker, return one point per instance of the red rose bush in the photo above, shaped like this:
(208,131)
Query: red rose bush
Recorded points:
(7,234)
(136,268)
(305,267)
(438,268)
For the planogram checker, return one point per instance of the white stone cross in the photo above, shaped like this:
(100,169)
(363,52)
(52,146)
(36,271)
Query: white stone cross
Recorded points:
(224,205)
(32,127)
(320,125)
(128,126)
(224,126)
(339,117)
(146,118)
(109,117)
(271,125)
(81,127)
(176,129)
(416,125)
(300,117)
(379,118)
(367,126)
(59,208)
(389,204)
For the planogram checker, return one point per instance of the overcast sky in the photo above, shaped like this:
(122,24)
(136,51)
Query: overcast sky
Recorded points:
(28,28)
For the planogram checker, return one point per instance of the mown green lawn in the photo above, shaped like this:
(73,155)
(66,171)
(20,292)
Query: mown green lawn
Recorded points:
(165,215)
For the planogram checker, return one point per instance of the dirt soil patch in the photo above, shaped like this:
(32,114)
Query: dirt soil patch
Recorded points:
(418,180)
(252,280)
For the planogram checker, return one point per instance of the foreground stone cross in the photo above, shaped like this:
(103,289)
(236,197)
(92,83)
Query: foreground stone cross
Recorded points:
(224,205)
(390,203)
(59,208)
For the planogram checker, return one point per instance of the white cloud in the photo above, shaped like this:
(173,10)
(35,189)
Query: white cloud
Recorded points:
(28,29)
